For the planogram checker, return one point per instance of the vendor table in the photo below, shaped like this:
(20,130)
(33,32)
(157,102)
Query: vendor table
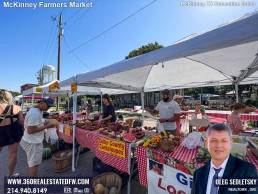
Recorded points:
(90,139)
(224,114)
(180,153)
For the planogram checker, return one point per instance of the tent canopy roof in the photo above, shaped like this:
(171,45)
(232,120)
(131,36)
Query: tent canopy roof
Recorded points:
(220,56)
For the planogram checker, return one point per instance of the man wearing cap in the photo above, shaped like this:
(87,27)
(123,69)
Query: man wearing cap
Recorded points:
(34,134)
(169,111)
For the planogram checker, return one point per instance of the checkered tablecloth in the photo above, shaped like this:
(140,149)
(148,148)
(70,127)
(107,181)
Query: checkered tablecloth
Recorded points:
(66,138)
(181,153)
(89,139)
(224,115)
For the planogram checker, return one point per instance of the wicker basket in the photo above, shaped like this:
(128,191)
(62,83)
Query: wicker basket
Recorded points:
(130,122)
(62,164)
(167,146)
(108,179)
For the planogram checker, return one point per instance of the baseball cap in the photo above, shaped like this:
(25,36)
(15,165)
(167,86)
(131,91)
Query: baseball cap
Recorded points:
(177,96)
(49,101)
(166,92)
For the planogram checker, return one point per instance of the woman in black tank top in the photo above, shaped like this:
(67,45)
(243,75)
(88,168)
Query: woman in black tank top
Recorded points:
(11,130)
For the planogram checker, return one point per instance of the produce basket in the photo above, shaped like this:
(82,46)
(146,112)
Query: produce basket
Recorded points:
(108,180)
(253,142)
(130,122)
(62,160)
(167,146)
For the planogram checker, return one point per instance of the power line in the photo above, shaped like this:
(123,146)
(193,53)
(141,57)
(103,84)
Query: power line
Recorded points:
(76,56)
(47,50)
(71,50)
(63,9)
(51,45)
(78,17)
(52,54)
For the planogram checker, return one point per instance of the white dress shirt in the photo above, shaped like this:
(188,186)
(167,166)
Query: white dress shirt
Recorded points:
(212,173)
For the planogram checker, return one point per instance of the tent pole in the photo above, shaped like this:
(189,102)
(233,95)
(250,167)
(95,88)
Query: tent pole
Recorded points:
(68,103)
(32,100)
(74,123)
(22,105)
(101,104)
(236,88)
(142,99)
(201,95)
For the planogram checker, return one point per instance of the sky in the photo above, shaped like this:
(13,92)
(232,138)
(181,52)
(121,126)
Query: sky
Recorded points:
(98,35)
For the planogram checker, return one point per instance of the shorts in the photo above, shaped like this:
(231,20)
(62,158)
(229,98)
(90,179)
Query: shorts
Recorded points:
(10,134)
(34,152)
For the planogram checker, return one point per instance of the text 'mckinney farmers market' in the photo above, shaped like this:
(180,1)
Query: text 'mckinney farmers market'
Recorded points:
(42,4)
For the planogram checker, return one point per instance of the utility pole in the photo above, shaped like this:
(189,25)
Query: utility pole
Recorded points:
(60,34)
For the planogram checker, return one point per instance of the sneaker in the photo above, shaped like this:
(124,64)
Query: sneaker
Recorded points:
(15,175)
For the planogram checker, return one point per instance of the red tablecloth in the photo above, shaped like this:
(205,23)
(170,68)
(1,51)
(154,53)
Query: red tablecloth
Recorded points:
(89,139)
(181,153)
(66,138)
(224,114)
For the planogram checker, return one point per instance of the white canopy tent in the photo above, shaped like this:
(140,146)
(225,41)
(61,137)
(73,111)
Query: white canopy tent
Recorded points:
(222,56)
(32,91)
(84,90)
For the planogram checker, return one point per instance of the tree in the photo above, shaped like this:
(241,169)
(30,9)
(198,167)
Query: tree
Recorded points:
(14,93)
(144,49)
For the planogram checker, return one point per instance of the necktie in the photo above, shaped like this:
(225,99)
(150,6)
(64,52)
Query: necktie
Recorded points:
(214,188)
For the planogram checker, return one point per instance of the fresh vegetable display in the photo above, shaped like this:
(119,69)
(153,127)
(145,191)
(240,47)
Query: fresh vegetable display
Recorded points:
(153,141)
(236,140)
(203,155)
(237,155)
(255,141)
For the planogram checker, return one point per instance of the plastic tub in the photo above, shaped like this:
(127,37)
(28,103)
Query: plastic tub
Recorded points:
(239,148)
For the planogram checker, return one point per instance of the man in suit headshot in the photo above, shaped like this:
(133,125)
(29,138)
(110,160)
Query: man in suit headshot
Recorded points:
(223,164)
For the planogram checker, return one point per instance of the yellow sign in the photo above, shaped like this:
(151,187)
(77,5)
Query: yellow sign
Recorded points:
(68,130)
(113,147)
(73,87)
(53,86)
(38,89)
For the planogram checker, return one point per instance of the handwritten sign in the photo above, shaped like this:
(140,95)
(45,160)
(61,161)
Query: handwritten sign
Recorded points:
(113,147)
(73,87)
(53,86)
(68,130)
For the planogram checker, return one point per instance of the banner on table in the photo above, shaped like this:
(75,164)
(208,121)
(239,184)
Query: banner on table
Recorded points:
(164,179)
(113,147)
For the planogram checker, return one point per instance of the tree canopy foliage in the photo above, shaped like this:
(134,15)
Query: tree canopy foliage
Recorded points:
(144,49)
(14,93)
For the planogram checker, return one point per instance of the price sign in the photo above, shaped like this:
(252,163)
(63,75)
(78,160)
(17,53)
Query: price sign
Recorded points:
(38,89)
(53,86)
(73,87)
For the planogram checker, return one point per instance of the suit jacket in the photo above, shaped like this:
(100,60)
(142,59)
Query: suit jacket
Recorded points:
(235,168)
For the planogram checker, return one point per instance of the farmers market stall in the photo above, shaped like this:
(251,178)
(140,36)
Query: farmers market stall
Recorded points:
(180,159)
